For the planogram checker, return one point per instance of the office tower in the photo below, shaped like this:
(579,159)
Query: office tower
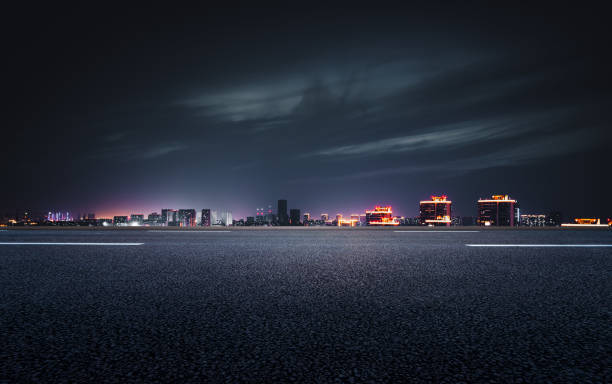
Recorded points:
(223,218)
(281,213)
(154,217)
(169,217)
(250,220)
(294,217)
(436,211)
(381,216)
(307,217)
(120,220)
(187,217)
(499,210)
(205,221)
(136,219)
(324,217)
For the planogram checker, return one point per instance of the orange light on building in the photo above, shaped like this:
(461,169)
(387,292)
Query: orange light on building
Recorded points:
(586,221)
(381,216)
(436,211)
(499,210)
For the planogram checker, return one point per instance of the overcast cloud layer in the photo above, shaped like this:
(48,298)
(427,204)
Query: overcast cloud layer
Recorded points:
(333,111)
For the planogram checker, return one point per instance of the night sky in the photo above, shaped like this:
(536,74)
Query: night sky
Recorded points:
(120,111)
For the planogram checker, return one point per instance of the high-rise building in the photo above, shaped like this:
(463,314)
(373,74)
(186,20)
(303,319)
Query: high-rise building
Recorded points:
(187,217)
(294,217)
(436,211)
(136,219)
(339,219)
(281,212)
(499,210)
(381,216)
(223,218)
(169,217)
(205,220)
(324,217)
(154,217)
(306,216)
(91,216)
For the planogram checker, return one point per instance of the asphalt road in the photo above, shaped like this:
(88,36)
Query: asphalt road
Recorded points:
(305,306)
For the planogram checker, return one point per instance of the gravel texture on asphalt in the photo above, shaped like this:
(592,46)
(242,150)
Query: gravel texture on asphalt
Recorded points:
(305,306)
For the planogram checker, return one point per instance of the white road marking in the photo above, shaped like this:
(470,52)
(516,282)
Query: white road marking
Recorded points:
(542,245)
(179,231)
(48,243)
(437,231)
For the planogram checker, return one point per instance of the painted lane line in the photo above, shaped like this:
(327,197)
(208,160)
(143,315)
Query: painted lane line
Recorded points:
(542,245)
(437,231)
(213,231)
(47,243)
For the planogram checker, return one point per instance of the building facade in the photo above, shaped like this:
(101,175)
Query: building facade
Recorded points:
(499,210)
(187,217)
(436,211)
(281,213)
(294,217)
(380,216)
(205,220)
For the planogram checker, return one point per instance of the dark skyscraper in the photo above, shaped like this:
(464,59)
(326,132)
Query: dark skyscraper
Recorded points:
(283,218)
(187,217)
(168,217)
(205,221)
(294,217)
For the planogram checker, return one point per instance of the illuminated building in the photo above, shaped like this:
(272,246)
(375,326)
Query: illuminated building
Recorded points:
(120,220)
(307,216)
(51,216)
(362,220)
(339,219)
(205,219)
(381,216)
(436,211)
(136,219)
(585,223)
(169,217)
(250,220)
(499,210)
(154,217)
(352,222)
(187,217)
(281,213)
(294,217)
(324,217)
(223,218)
(533,220)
